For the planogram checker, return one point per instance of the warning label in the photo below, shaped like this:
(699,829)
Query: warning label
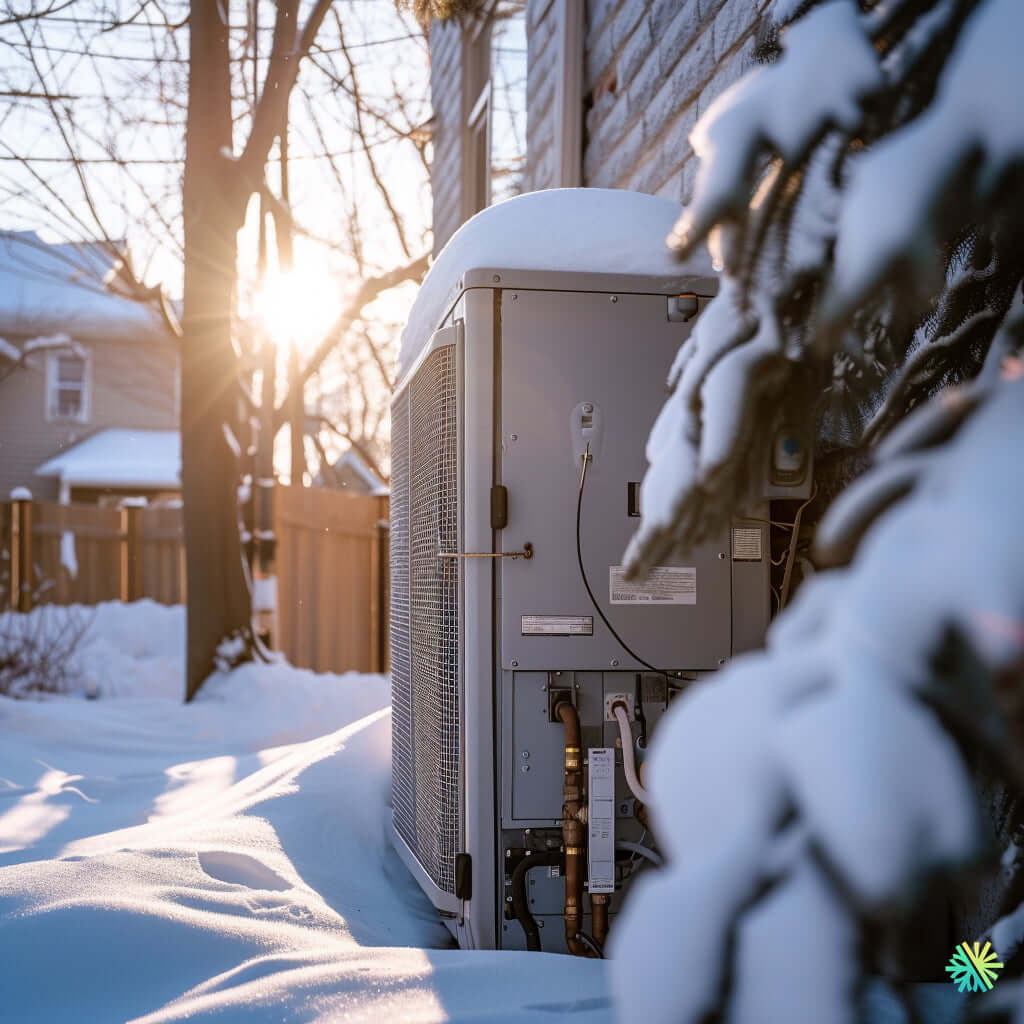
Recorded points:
(665,584)
(558,625)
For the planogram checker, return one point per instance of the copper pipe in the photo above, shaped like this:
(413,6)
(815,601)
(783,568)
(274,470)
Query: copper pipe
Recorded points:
(573,834)
(599,910)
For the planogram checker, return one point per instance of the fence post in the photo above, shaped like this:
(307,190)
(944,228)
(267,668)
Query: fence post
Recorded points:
(383,572)
(22,574)
(131,528)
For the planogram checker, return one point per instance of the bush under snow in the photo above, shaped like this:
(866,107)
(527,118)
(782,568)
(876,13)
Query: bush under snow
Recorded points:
(865,198)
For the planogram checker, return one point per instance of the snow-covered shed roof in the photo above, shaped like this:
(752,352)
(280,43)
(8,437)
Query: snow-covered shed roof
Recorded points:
(46,289)
(582,230)
(119,457)
(354,461)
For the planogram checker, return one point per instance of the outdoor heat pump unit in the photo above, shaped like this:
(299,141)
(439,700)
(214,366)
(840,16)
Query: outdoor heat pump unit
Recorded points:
(537,347)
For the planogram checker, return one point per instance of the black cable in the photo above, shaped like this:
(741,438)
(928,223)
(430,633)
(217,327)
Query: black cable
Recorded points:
(638,704)
(520,906)
(586,583)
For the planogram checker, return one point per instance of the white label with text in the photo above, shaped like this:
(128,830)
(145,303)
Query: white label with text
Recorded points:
(665,584)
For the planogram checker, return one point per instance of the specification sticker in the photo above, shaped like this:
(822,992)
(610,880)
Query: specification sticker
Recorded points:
(558,625)
(665,584)
(601,819)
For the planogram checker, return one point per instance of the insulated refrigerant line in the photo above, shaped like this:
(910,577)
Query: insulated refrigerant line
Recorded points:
(621,713)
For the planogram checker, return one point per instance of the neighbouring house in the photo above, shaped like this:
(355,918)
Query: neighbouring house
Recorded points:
(352,473)
(537,94)
(89,379)
(115,463)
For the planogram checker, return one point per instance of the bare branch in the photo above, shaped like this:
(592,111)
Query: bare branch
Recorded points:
(283,69)
(369,290)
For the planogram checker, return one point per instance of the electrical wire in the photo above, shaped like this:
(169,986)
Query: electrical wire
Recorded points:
(586,583)
(793,541)
(638,849)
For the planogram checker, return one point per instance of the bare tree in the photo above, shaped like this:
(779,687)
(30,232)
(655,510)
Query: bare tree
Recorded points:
(114,118)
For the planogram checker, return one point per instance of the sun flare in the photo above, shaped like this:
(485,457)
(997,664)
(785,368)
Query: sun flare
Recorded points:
(299,306)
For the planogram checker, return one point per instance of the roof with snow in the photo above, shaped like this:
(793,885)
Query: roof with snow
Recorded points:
(46,289)
(120,457)
(581,230)
(354,461)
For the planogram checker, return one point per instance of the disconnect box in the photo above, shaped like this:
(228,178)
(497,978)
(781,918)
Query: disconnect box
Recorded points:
(520,721)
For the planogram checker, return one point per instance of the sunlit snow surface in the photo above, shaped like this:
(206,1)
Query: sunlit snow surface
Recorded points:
(227,859)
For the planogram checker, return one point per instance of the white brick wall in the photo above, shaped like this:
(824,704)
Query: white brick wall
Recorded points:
(651,70)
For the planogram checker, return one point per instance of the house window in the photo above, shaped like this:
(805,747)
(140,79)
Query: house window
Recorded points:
(67,387)
(495,77)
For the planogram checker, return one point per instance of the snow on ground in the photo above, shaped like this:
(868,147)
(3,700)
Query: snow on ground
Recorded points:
(226,859)
(229,859)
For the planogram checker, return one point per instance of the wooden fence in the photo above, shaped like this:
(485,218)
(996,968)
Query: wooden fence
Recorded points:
(84,554)
(331,567)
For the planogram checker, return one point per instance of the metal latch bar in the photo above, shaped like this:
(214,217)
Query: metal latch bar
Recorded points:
(526,553)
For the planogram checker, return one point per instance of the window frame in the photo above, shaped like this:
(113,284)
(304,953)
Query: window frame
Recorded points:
(53,387)
(476,123)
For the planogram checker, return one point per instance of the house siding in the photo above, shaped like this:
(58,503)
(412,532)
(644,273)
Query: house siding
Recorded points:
(651,69)
(130,386)
(446,170)
(542,69)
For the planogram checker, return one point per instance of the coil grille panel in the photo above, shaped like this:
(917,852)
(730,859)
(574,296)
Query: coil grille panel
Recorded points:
(425,671)
(402,776)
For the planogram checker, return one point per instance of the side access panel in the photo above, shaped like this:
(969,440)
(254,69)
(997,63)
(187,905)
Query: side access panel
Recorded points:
(562,351)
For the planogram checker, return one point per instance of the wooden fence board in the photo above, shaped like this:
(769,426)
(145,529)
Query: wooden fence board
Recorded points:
(328,578)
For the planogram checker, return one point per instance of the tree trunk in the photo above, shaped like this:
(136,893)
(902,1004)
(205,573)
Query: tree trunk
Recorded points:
(219,602)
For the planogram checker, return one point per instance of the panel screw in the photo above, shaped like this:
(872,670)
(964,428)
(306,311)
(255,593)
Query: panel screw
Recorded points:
(515,663)
(721,661)
(508,899)
(514,437)
(515,296)
(721,555)
(525,754)
(615,298)
(588,407)
(524,768)
(496,278)
(540,924)
(615,662)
